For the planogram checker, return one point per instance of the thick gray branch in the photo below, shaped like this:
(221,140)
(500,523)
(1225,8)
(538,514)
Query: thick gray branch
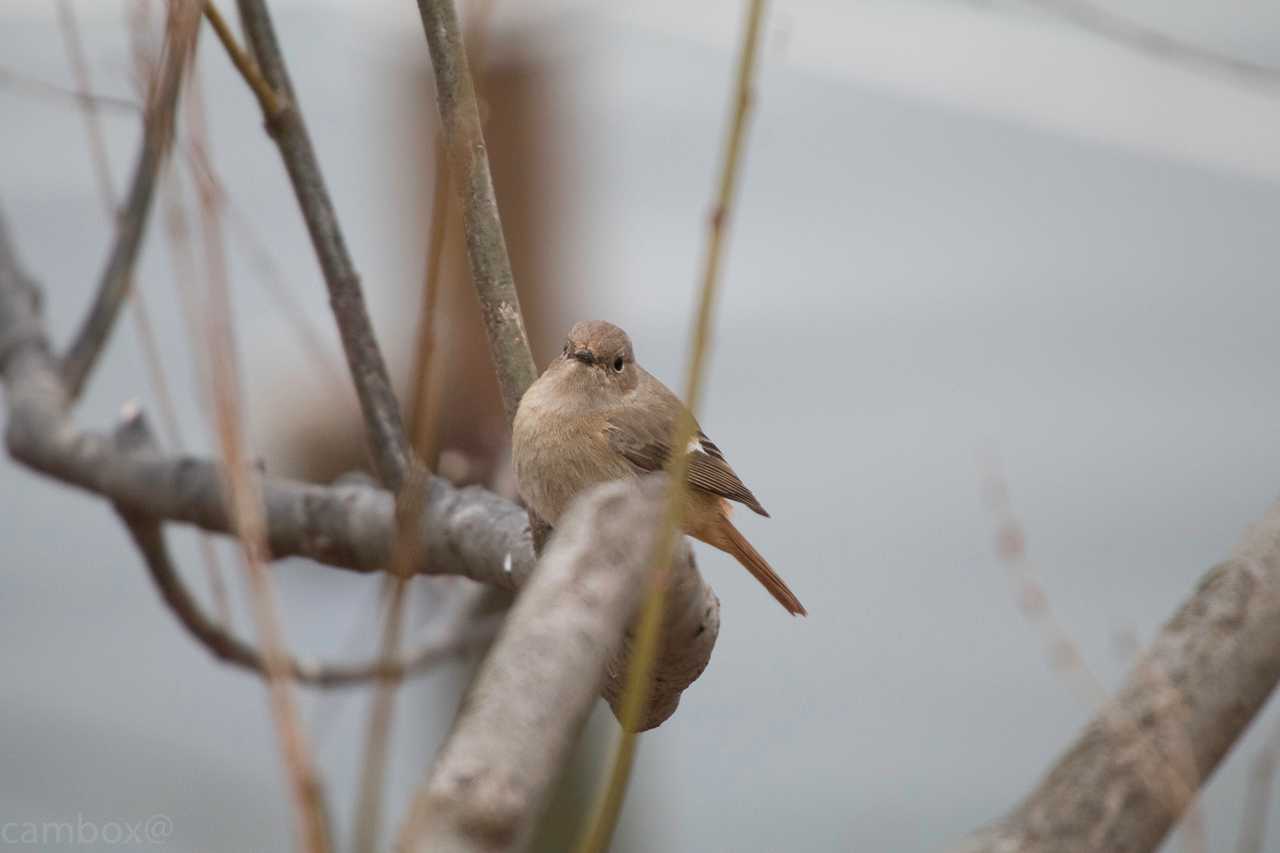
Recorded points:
(469,532)
(157,137)
(382,419)
(1192,694)
(528,702)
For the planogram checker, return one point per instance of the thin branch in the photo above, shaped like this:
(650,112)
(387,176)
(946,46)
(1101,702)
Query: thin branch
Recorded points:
(17,80)
(404,557)
(1201,681)
(157,137)
(132,435)
(88,108)
(389,446)
(422,431)
(469,532)
(609,806)
(268,99)
(469,165)
(1097,20)
(314,832)
(530,698)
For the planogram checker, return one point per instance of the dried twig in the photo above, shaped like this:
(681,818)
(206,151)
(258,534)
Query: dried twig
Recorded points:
(17,80)
(157,137)
(1094,18)
(268,98)
(605,815)
(247,512)
(388,444)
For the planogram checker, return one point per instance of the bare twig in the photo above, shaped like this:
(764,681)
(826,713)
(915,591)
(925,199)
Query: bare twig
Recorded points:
(421,381)
(528,702)
(88,108)
(76,97)
(404,557)
(131,436)
(605,815)
(1200,682)
(157,137)
(390,448)
(247,512)
(268,99)
(1102,22)
(469,165)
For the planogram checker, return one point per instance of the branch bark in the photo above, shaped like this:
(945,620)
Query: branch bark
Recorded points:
(1191,695)
(529,700)
(390,449)
(133,434)
(486,247)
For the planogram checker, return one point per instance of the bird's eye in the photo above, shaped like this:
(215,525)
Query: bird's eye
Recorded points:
(617,364)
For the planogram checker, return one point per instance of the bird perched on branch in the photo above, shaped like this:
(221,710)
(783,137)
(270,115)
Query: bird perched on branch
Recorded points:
(595,415)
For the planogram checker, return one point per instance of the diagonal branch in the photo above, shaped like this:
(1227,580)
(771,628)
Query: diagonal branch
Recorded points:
(157,138)
(382,419)
(1204,678)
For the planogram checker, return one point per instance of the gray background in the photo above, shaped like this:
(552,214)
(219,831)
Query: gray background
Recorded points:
(918,273)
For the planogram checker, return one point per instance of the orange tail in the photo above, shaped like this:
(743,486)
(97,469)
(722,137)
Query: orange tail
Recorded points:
(733,542)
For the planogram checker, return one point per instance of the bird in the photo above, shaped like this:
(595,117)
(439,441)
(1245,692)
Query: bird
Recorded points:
(595,415)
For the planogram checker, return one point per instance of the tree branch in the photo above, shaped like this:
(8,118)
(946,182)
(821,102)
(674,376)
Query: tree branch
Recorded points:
(486,247)
(387,440)
(157,138)
(133,434)
(469,532)
(528,702)
(1195,689)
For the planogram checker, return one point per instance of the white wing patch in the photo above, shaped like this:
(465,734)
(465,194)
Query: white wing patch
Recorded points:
(695,446)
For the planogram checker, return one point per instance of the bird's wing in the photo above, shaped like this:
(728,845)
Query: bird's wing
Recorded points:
(642,434)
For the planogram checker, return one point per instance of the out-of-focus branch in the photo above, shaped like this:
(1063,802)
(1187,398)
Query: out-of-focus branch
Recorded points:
(527,704)
(17,80)
(1196,687)
(181,30)
(1104,23)
(469,532)
(268,98)
(387,440)
(635,698)
(469,165)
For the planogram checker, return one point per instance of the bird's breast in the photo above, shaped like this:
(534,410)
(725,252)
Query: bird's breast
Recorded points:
(558,452)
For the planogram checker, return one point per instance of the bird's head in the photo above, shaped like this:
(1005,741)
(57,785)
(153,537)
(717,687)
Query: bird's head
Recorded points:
(598,355)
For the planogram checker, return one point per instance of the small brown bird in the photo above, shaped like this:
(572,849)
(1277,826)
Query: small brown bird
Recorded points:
(595,416)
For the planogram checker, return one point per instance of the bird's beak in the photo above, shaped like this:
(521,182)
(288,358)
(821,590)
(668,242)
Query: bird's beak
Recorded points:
(585,356)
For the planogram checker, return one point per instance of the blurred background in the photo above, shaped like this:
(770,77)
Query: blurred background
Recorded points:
(1035,231)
